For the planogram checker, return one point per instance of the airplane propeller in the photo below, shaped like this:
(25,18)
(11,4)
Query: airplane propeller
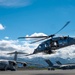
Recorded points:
(45,37)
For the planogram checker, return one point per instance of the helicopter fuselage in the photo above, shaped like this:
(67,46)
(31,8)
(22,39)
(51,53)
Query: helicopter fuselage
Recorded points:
(54,43)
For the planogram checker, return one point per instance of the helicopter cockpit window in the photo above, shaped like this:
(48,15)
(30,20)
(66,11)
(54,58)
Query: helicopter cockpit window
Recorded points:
(54,44)
(45,45)
(39,46)
(42,46)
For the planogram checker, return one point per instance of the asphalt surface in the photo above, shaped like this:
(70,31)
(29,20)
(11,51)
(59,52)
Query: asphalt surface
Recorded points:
(38,72)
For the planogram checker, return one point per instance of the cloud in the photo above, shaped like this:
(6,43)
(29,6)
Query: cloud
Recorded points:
(65,54)
(35,34)
(15,45)
(15,3)
(6,37)
(2,27)
(8,45)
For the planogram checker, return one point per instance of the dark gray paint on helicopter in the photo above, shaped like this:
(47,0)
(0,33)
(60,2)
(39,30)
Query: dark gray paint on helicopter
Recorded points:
(54,43)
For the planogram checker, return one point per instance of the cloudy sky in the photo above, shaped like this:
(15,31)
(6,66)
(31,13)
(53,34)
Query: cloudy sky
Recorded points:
(33,18)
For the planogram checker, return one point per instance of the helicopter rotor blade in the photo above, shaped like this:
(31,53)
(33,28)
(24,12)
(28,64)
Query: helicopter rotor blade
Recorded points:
(52,35)
(37,36)
(45,37)
(32,37)
(42,39)
(63,27)
(38,40)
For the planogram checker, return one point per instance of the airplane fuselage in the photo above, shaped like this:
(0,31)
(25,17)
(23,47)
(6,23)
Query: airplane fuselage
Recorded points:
(7,65)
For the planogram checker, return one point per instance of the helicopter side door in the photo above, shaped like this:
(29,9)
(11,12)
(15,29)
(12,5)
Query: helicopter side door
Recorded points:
(53,44)
(59,42)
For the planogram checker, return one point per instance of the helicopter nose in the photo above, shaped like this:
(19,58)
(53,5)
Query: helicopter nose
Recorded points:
(35,51)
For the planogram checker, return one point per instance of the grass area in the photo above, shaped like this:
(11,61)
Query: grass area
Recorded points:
(31,68)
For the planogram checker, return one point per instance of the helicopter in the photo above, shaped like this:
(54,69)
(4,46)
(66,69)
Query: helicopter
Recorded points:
(51,42)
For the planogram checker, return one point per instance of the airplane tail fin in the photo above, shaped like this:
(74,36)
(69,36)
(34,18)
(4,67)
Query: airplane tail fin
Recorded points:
(58,62)
(15,54)
(49,62)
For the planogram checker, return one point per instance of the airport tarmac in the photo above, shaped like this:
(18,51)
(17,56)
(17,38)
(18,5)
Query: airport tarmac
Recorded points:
(38,72)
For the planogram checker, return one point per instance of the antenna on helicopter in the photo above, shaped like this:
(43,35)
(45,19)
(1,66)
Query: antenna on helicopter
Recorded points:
(45,37)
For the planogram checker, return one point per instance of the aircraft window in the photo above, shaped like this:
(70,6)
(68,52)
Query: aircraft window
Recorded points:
(39,46)
(63,42)
(54,44)
(45,45)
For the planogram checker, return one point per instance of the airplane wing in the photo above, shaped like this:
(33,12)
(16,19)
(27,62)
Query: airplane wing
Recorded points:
(23,63)
(29,54)
(26,63)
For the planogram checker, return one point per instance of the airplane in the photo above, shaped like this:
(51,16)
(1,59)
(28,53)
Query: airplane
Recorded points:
(11,64)
(66,66)
(59,65)
(51,66)
(24,64)
(7,65)
(51,42)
